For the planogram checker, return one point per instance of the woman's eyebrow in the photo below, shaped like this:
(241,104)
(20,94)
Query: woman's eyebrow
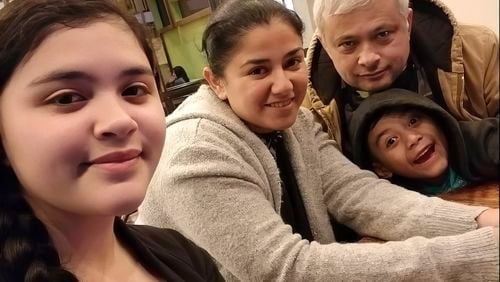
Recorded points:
(262,61)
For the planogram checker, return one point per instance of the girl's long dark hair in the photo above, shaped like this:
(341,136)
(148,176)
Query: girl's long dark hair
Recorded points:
(27,252)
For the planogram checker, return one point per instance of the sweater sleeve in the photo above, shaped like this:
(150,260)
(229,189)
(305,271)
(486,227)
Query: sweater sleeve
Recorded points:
(220,204)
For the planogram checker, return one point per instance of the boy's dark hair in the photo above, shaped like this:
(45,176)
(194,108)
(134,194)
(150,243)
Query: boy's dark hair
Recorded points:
(233,20)
(27,252)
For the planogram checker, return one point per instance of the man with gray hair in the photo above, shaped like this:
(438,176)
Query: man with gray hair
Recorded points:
(365,46)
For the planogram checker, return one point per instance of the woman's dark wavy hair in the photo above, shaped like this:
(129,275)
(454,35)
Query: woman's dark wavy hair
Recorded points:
(27,252)
(233,20)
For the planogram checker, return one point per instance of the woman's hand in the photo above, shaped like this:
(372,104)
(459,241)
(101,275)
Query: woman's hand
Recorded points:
(488,217)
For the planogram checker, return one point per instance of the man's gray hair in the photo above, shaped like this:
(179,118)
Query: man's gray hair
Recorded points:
(326,8)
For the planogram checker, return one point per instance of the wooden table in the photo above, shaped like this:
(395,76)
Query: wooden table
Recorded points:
(483,194)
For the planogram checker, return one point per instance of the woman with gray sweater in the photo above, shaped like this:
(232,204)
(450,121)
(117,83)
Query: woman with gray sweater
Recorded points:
(250,177)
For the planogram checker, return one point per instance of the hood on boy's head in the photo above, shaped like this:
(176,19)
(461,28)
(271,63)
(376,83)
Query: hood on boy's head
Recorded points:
(377,104)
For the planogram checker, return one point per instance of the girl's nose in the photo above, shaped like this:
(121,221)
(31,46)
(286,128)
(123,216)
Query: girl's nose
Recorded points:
(114,122)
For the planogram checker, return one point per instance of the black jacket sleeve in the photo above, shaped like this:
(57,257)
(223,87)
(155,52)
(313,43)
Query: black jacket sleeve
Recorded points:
(481,140)
(172,256)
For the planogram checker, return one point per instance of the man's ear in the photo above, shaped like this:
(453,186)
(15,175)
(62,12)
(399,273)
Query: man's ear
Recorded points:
(381,170)
(319,36)
(215,83)
(409,20)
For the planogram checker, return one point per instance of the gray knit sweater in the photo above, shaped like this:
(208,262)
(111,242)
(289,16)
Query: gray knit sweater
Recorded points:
(219,185)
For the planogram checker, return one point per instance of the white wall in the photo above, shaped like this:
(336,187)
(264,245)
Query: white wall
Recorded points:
(304,10)
(483,12)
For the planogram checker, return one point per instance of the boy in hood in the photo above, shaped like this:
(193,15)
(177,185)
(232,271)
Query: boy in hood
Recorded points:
(410,140)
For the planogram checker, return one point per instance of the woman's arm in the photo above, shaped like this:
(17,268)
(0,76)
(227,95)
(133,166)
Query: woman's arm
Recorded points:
(204,189)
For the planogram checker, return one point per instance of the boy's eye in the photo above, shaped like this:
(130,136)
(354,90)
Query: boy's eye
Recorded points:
(135,90)
(413,121)
(391,141)
(67,98)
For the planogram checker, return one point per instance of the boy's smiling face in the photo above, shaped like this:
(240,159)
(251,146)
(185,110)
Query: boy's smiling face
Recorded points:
(410,145)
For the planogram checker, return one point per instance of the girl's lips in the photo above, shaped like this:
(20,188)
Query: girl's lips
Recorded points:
(117,162)
(116,157)
(123,166)
(426,155)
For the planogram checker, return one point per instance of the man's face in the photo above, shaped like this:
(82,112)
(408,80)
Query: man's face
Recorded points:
(370,45)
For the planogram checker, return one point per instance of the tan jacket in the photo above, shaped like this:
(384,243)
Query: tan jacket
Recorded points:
(467,73)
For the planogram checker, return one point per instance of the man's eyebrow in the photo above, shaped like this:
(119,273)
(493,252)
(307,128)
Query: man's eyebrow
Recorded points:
(350,37)
(60,75)
(344,37)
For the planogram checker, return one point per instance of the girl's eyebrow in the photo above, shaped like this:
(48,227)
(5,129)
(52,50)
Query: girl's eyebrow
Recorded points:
(136,71)
(59,75)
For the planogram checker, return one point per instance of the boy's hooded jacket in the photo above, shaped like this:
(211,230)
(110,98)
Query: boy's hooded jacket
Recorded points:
(472,145)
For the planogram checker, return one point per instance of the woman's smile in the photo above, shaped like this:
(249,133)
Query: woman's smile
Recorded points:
(280,104)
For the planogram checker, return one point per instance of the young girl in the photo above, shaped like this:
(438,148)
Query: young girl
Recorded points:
(251,178)
(82,128)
